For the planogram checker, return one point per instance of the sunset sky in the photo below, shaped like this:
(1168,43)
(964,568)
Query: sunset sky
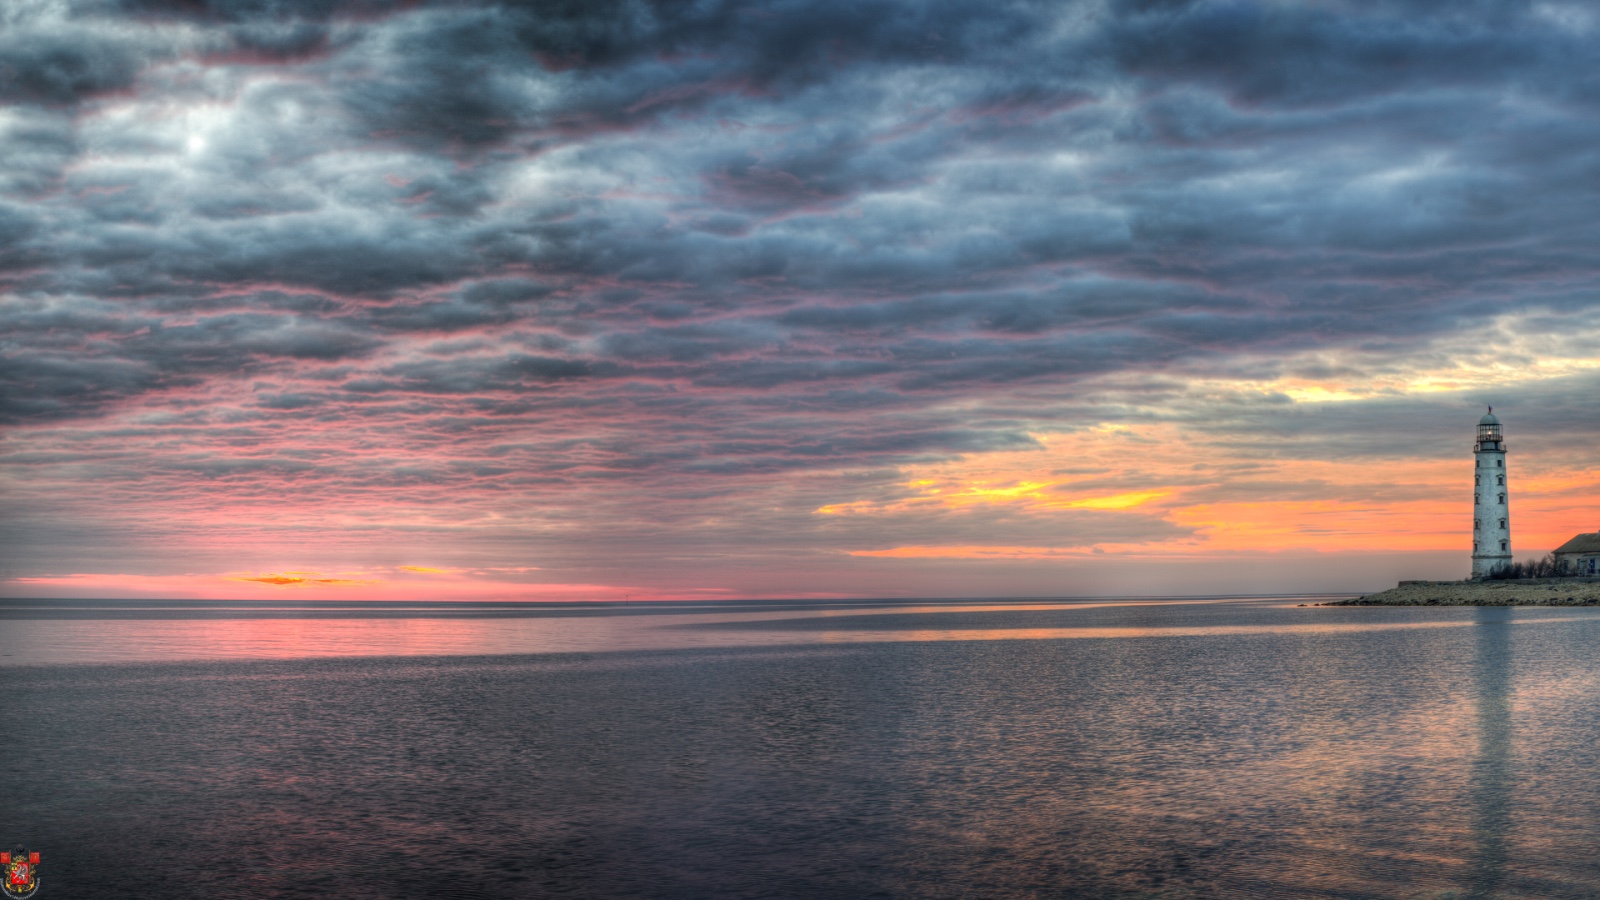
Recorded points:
(591,300)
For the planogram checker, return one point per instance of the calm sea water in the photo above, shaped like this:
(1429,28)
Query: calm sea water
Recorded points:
(1119,749)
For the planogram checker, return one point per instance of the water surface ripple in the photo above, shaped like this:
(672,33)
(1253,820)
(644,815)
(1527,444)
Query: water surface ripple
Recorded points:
(1114,749)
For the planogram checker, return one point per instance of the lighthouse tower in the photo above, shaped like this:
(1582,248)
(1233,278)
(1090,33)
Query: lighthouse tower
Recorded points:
(1491,517)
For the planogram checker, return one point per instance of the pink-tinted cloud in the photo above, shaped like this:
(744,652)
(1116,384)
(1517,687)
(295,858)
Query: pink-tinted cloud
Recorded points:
(375,586)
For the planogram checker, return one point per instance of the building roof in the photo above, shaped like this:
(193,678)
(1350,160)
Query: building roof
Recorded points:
(1583,543)
(1490,419)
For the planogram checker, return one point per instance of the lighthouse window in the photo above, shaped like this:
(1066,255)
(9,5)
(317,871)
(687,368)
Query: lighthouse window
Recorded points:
(1499,479)
(1502,545)
(1502,499)
(1477,479)
(1502,523)
(1477,524)
(1501,463)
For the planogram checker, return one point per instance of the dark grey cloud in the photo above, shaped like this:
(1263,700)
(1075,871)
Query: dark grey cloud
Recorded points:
(73,359)
(59,65)
(1327,55)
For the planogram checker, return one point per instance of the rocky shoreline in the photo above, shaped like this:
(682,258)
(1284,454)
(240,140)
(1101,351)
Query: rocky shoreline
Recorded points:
(1528,592)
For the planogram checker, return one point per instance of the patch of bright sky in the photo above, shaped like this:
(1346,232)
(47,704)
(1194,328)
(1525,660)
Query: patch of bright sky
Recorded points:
(1519,355)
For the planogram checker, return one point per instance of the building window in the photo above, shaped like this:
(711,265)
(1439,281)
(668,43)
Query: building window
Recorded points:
(1502,546)
(1499,479)
(1502,523)
(1502,499)
(1477,479)
(1477,524)
(1501,463)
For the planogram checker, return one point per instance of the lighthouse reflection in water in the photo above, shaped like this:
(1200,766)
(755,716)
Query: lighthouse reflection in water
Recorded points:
(1180,749)
(1492,787)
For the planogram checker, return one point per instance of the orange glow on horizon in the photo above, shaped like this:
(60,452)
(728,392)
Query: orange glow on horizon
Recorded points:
(994,552)
(1245,504)
(292,579)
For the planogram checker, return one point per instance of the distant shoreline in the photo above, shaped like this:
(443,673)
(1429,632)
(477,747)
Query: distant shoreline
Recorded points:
(1529,592)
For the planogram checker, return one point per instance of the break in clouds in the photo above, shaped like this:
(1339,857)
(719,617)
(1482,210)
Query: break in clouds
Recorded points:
(660,278)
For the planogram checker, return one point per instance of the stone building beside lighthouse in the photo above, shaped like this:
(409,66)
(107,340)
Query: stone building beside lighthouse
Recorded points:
(1491,515)
(1580,556)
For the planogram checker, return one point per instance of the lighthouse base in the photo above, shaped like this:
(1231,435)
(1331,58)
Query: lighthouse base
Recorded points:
(1483,566)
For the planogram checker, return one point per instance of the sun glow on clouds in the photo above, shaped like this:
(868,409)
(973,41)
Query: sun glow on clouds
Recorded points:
(298,579)
(1249,501)
(403,578)
(369,585)
(1030,494)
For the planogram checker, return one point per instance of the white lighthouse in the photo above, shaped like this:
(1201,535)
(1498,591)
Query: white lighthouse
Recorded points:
(1491,515)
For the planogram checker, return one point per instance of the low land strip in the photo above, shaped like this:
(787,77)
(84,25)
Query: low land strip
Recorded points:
(1525,592)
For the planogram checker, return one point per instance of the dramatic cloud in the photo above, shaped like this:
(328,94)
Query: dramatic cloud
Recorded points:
(788,298)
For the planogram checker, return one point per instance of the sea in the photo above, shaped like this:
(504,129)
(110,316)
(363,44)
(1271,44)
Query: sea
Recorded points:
(1201,747)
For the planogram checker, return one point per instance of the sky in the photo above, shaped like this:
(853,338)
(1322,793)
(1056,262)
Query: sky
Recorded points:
(584,299)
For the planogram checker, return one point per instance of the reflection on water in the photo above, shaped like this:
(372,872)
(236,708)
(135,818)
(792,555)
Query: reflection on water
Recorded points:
(1182,749)
(46,633)
(1491,768)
